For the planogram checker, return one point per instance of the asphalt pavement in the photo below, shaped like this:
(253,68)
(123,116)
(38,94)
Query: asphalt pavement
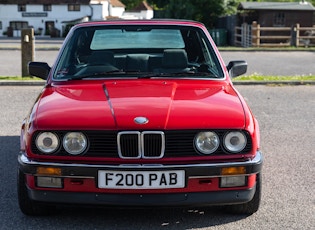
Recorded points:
(287,123)
(271,62)
(41,43)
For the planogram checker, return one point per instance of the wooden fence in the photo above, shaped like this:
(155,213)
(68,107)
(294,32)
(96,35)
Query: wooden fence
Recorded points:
(256,36)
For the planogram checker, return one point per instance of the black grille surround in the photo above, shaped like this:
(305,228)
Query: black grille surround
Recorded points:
(178,143)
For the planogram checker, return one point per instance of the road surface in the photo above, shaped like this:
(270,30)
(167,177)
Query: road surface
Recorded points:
(282,63)
(286,117)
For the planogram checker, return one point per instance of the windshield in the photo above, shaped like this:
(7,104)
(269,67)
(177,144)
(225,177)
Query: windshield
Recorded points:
(137,51)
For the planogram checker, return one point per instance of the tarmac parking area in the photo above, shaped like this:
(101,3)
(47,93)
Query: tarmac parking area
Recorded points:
(281,63)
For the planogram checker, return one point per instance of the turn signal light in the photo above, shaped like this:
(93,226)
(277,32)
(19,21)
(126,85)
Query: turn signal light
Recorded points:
(233,171)
(49,171)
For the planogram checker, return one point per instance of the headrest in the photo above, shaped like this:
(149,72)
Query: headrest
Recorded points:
(101,57)
(175,58)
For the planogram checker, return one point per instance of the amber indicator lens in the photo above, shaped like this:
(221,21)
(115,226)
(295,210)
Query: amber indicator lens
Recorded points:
(48,171)
(233,171)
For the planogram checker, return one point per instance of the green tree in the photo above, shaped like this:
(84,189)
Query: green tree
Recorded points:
(180,9)
(130,4)
(310,1)
(230,6)
(205,11)
(158,4)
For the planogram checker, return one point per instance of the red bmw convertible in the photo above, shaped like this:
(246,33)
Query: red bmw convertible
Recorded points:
(139,113)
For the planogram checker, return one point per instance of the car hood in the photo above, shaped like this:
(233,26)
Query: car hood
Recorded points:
(115,104)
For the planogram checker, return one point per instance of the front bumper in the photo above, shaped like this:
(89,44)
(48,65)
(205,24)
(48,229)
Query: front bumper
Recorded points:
(139,197)
(145,200)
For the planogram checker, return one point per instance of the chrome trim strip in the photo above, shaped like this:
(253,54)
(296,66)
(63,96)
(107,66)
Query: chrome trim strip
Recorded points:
(72,177)
(258,159)
(110,103)
(215,176)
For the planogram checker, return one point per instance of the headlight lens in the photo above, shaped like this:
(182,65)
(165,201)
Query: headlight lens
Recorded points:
(207,142)
(75,143)
(47,142)
(235,141)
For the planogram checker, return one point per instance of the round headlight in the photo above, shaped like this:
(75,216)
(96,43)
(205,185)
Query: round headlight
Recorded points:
(47,142)
(207,142)
(75,143)
(235,141)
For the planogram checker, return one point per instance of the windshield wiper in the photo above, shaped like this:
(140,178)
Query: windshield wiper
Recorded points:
(98,74)
(179,74)
(106,73)
(143,76)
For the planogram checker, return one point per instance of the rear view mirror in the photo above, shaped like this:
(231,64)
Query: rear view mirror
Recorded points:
(39,69)
(236,68)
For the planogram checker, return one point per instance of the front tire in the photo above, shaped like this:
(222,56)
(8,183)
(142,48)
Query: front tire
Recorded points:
(250,207)
(27,206)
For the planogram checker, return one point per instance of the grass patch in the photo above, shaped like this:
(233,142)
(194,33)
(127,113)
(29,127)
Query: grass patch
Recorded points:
(275,78)
(290,48)
(253,77)
(17,78)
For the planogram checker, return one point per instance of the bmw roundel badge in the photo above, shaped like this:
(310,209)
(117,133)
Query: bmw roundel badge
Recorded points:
(141,120)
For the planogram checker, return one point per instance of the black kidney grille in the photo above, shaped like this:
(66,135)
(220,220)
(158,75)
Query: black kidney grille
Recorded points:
(134,144)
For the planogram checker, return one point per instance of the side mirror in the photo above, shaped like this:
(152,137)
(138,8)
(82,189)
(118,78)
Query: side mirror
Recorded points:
(39,69)
(237,68)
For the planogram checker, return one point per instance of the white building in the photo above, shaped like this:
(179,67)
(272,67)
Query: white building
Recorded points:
(55,17)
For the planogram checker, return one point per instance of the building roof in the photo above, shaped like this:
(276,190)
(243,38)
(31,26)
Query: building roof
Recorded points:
(117,3)
(300,6)
(142,6)
(41,2)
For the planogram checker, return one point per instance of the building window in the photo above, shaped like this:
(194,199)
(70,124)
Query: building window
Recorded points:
(21,7)
(18,25)
(279,19)
(47,7)
(73,7)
